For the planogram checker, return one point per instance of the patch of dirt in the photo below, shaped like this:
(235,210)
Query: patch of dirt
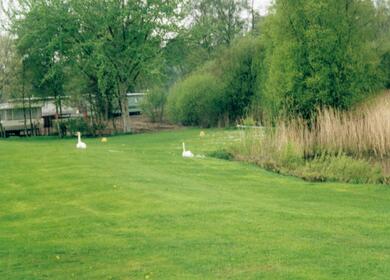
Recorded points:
(137,123)
(140,124)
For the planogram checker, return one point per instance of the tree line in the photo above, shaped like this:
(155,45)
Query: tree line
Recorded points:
(306,55)
(98,51)
(212,61)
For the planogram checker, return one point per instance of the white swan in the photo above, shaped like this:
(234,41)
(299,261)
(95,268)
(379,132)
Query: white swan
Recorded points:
(187,154)
(80,144)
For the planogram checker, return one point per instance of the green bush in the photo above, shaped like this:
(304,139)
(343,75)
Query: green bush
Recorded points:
(74,125)
(221,154)
(153,104)
(340,168)
(196,101)
(222,91)
(248,121)
(385,66)
(239,66)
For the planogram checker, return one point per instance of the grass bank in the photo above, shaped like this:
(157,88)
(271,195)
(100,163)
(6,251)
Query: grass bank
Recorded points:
(135,209)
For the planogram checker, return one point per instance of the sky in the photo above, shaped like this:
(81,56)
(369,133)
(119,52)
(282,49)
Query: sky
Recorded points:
(3,3)
(261,5)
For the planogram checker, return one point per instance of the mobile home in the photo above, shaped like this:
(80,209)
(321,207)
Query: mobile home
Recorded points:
(15,120)
(43,114)
(134,102)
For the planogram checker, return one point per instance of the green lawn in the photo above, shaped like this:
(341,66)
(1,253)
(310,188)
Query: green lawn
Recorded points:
(135,209)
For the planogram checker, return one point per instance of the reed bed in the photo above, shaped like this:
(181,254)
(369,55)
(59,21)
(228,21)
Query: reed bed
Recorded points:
(362,134)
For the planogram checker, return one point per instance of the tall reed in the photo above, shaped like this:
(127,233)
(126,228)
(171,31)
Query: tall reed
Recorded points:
(362,133)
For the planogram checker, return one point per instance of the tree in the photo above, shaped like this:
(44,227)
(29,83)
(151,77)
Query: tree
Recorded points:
(209,26)
(320,54)
(221,91)
(114,44)
(217,22)
(382,42)
(10,68)
(237,67)
(40,41)
(13,81)
(129,37)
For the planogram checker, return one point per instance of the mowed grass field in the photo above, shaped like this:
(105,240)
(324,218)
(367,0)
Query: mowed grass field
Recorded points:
(133,208)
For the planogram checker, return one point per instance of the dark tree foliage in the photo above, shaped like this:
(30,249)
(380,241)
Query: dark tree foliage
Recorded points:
(222,91)
(385,65)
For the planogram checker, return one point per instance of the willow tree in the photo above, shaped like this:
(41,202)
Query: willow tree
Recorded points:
(320,53)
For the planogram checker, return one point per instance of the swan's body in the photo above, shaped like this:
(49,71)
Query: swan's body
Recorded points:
(80,144)
(187,154)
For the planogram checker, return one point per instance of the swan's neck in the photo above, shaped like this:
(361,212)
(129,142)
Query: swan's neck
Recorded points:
(184,147)
(79,137)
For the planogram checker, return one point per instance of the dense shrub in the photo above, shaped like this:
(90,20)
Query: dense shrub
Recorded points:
(153,104)
(74,125)
(222,91)
(196,101)
(221,154)
(239,66)
(385,66)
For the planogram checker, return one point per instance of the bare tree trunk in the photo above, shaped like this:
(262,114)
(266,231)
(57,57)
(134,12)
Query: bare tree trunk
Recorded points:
(109,116)
(114,125)
(93,112)
(30,115)
(60,104)
(23,100)
(57,122)
(162,113)
(58,112)
(106,108)
(24,115)
(124,107)
(2,132)
(125,113)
